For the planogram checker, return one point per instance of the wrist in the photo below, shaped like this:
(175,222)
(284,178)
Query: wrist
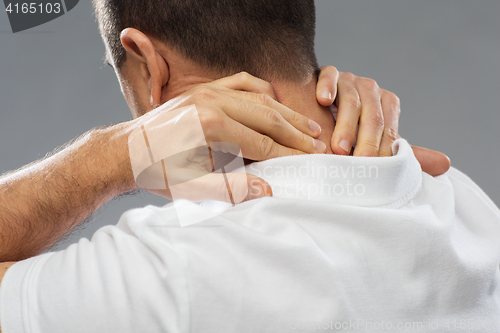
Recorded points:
(114,157)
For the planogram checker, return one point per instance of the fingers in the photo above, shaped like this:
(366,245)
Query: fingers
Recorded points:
(371,122)
(326,89)
(432,162)
(366,114)
(261,113)
(236,188)
(392,110)
(349,112)
(228,187)
(246,82)
(232,188)
(257,188)
(263,102)
(273,124)
(254,146)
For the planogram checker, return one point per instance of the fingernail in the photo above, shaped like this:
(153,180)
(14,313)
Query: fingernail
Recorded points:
(344,144)
(255,191)
(326,94)
(319,145)
(314,127)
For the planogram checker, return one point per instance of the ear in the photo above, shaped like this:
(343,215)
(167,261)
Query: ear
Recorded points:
(147,62)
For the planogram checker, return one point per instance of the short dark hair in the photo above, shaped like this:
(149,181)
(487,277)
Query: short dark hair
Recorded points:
(271,39)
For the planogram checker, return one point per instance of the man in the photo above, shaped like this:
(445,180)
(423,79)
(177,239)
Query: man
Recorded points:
(46,199)
(310,255)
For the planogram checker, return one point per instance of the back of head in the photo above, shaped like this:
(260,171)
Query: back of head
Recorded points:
(271,39)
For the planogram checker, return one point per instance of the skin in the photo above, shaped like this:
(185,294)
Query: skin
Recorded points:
(156,73)
(62,190)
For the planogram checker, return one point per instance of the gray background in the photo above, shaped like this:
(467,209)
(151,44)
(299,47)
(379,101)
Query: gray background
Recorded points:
(441,59)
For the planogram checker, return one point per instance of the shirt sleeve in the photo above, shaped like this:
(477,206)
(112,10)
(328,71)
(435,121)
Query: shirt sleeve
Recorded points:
(125,280)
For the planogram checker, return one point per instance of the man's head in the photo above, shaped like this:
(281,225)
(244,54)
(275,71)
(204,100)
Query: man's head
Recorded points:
(273,40)
(269,39)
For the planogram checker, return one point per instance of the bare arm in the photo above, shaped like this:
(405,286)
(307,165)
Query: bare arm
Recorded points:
(46,199)
(43,201)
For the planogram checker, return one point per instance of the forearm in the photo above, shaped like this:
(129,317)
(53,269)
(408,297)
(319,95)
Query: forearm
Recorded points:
(43,201)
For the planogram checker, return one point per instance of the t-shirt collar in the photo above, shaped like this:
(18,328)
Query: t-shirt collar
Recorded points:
(347,180)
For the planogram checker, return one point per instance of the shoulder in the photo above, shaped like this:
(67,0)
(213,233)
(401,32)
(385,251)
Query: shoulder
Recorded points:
(464,184)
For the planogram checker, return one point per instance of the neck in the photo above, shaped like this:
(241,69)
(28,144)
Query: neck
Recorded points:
(300,97)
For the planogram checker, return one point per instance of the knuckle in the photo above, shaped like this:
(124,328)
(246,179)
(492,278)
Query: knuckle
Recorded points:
(377,117)
(353,100)
(370,147)
(333,69)
(390,134)
(394,98)
(246,108)
(371,84)
(305,141)
(203,94)
(395,102)
(264,99)
(266,145)
(211,120)
(266,86)
(349,76)
(274,119)
(243,76)
(347,129)
(295,118)
(330,70)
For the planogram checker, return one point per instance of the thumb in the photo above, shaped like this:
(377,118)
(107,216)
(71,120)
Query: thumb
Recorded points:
(326,89)
(229,187)
(432,162)
(257,188)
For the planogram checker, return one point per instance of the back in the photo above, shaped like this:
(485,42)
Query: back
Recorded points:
(396,250)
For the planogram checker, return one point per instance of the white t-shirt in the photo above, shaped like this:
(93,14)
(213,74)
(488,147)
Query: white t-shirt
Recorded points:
(346,244)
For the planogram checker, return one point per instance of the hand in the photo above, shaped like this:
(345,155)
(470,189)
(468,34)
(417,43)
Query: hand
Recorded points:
(361,101)
(239,109)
